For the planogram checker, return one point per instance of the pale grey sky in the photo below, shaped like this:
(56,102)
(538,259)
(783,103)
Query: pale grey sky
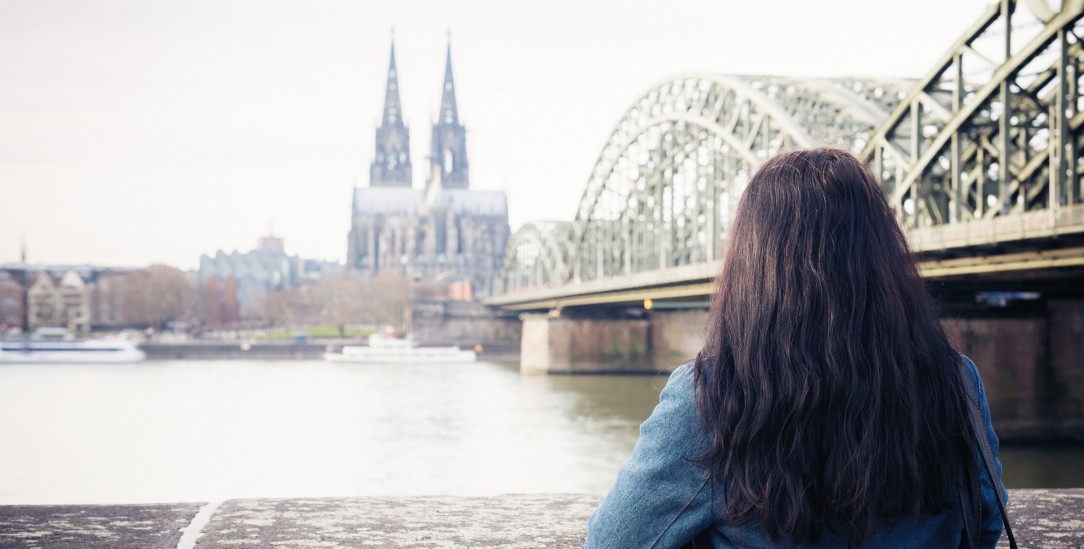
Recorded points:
(135,132)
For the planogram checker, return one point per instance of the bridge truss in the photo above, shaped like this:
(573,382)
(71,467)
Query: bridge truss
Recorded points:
(992,132)
(995,128)
(537,256)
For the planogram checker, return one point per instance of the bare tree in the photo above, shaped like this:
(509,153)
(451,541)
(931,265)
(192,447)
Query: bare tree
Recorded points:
(341,299)
(387,295)
(156,296)
(288,307)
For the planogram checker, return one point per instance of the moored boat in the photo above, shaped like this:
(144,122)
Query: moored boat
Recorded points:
(383,350)
(70,351)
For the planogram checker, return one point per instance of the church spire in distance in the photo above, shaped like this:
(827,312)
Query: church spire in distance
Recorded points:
(448,166)
(392,106)
(449,114)
(391,161)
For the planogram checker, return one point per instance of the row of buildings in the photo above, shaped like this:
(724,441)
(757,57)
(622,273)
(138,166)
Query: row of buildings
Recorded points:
(84,298)
(232,282)
(77,298)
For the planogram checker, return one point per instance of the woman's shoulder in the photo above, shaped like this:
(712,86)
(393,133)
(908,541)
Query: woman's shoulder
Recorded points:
(973,376)
(969,365)
(682,375)
(681,385)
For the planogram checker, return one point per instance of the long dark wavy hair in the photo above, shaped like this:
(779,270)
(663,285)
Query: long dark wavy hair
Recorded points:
(830,394)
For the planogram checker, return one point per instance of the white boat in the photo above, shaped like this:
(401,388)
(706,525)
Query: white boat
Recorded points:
(70,351)
(383,350)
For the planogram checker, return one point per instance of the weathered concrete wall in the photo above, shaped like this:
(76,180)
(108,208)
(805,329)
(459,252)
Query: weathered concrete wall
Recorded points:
(676,337)
(1032,368)
(81,526)
(467,324)
(1009,354)
(233,350)
(1041,518)
(1066,339)
(468,331)
(563,345)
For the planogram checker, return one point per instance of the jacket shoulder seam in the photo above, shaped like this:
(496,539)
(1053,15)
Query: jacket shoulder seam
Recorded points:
(677,514)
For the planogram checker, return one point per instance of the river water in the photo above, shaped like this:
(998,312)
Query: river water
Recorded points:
(176,431)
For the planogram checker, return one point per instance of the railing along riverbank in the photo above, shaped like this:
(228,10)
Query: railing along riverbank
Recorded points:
(1041,518)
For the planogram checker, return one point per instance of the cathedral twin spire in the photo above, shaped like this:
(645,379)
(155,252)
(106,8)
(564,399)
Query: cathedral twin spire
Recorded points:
(391,162)
(392,106)
(449,114)
(448,152)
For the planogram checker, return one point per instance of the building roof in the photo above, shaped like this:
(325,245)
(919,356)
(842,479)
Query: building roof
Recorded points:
(391,200)
(386,200)
(72,278)
(466,201)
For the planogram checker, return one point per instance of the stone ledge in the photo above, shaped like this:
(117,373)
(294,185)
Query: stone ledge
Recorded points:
(81,526)
(1042,518)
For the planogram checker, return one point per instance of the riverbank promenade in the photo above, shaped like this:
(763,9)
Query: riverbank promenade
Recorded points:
(1042,518)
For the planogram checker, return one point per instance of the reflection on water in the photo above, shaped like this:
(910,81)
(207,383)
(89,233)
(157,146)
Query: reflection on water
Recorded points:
(1045,466)
(202,430)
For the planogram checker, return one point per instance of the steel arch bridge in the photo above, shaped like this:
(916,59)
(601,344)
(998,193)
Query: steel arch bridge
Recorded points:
(983,149)
(537,256)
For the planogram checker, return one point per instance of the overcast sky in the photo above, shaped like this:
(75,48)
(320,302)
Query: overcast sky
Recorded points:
(137,132)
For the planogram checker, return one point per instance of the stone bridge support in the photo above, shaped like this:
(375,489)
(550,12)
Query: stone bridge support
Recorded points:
(564,344)
(1032,367)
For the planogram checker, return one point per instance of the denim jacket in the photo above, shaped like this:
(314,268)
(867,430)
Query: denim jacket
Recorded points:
(661,499)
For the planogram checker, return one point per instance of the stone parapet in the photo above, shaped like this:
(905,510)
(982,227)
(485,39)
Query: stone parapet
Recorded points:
(1042,518)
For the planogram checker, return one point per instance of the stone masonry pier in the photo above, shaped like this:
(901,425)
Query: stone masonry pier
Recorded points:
(1042,518)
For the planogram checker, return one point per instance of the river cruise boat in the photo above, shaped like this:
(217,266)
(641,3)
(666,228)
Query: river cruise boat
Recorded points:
(384,350)
(69,351)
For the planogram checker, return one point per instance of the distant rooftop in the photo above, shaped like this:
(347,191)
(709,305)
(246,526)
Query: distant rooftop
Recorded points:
(388,200)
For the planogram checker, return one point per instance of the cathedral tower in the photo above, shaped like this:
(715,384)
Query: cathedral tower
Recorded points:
(448,153)
(391,163)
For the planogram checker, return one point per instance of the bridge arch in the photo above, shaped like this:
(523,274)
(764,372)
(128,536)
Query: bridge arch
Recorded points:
(666,183)
(537,256)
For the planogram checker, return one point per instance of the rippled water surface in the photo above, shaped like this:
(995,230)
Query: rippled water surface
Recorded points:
(205,430)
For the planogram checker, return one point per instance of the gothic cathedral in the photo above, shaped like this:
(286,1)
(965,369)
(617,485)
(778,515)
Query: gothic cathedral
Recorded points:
(444,232)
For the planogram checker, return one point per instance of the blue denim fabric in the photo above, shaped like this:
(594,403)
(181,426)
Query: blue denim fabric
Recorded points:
(661,499)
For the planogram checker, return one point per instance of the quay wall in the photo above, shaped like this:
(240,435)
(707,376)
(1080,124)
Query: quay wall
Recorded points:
(1041,518)
(313,350)
(234,350)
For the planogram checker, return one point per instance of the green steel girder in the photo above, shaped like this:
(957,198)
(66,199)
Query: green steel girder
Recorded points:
(994,129)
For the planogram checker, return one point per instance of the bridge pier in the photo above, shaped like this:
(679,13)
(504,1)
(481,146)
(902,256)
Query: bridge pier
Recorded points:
(1031,367)
(655,342)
